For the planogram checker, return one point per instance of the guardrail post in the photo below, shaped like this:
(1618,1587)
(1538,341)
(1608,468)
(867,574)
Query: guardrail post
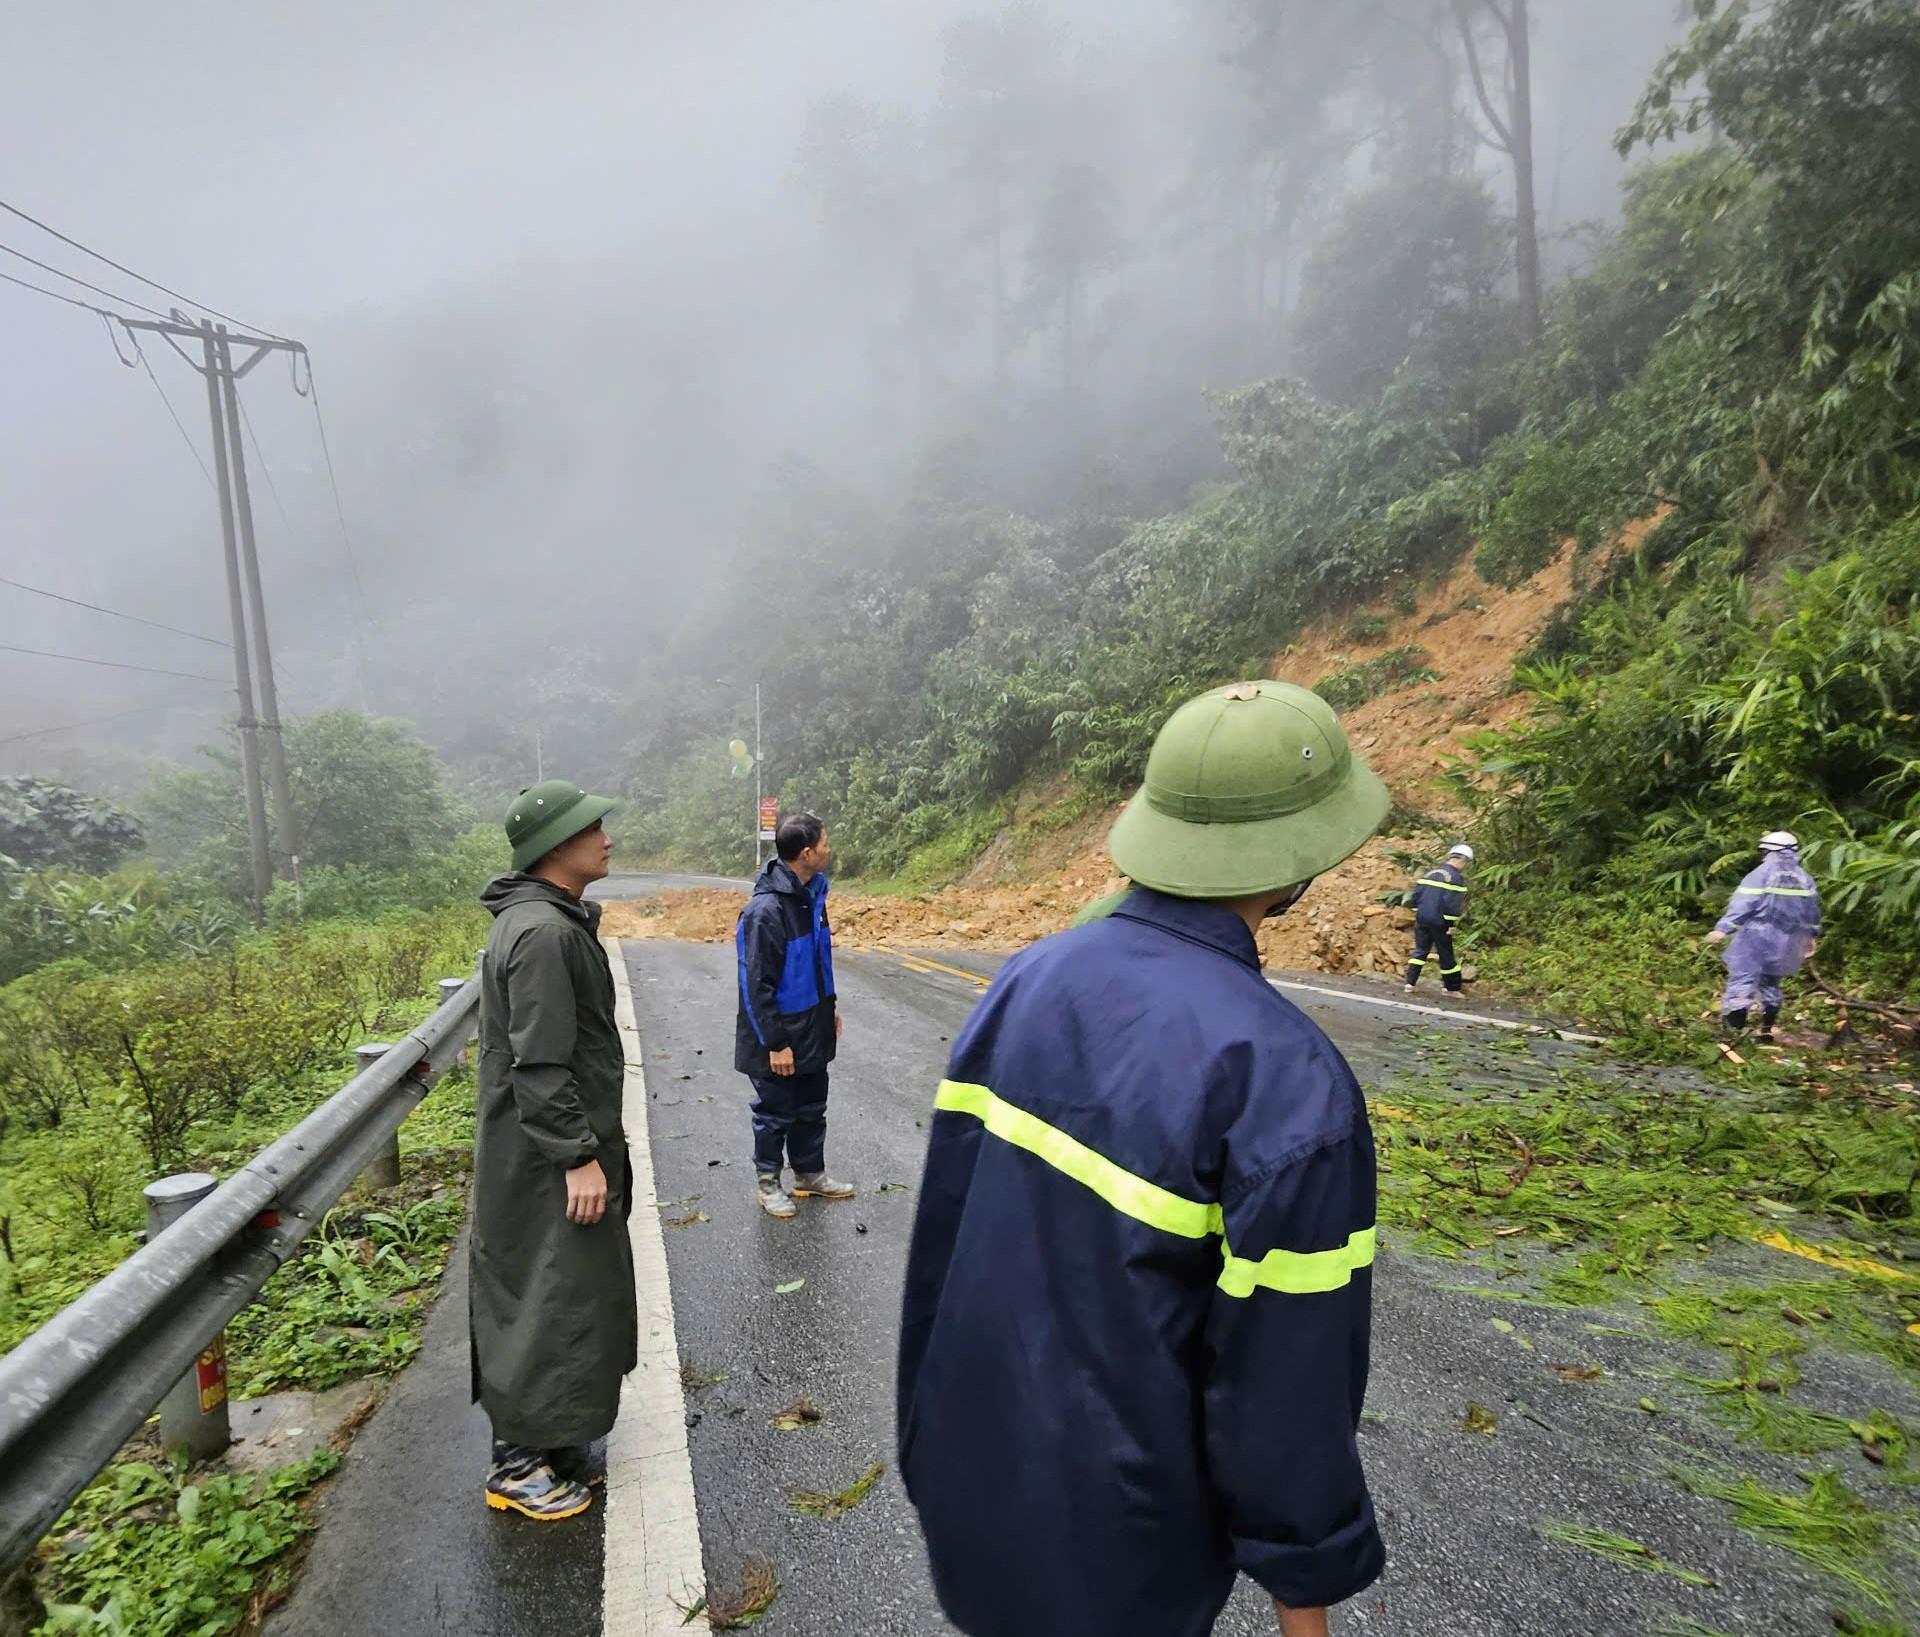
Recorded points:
(193,1415)
(449,987)
(383,1171)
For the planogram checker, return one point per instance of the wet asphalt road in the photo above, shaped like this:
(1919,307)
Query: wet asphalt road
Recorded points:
(406,1547)
(1462,1511)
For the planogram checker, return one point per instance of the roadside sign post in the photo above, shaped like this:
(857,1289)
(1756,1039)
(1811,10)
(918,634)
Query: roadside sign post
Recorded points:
(769,825)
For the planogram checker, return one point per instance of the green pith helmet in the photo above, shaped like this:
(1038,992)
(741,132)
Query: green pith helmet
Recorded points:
(1249,788)
(539,819)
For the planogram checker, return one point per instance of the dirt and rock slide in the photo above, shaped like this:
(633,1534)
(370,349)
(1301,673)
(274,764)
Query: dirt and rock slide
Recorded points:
(1035,876)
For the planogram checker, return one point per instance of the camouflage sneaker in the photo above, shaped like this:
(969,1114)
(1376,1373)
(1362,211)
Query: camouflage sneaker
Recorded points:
(520,1480)
(773,1198)
(818,1185)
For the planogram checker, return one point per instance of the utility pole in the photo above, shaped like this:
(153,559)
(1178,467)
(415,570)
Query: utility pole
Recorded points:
(230,482)
(285,831)
(249,726)
(759,778)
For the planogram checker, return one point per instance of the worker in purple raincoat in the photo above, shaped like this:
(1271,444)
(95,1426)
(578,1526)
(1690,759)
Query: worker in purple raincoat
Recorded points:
(1769,930)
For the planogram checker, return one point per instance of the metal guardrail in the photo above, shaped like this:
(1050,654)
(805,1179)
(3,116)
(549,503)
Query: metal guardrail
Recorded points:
(74,1391)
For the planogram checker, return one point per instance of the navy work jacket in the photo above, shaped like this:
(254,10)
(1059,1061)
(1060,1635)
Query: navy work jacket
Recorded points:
(783,947)
(1134,1345)
(1439,898)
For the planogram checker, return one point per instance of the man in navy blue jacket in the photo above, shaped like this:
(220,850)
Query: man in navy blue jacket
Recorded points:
(1135,1337)
(788,1028)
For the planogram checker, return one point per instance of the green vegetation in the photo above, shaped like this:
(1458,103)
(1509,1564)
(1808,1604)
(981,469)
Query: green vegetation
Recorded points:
(1354,685)
(44,824)
(148,1028)
(148,1552)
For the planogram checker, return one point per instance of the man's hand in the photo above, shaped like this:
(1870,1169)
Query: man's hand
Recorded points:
(838,1024)
(781,1062)
(1301,1622)
(586,1194)
(1716,936)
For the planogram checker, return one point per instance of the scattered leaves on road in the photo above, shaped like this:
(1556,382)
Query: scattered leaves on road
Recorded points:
(893,1188)
(1578,1372)
(1620,1549)
(1479,1419)
(814,1503)
(802,1412)
(731,1608)
(789,1287)
(694,1379)
(1828,1525)
(687,1221)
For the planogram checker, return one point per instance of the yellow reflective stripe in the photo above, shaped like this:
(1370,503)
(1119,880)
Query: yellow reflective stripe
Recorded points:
(1299,1273)
(1131,1195)
(1784,892)
(1449,886)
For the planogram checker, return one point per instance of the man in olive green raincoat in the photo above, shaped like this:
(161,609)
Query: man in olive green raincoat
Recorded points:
(554,1325)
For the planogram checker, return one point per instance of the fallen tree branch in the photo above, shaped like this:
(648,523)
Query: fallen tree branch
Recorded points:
(1900,1014)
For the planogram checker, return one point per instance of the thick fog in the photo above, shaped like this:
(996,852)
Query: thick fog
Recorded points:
(578,279)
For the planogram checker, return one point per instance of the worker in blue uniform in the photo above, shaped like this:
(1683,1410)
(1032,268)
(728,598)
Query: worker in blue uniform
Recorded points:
(1439,900)
(1135,1334)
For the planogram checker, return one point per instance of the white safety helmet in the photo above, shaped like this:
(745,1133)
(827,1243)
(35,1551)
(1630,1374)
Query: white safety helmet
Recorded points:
(1774,840)
(1461,851)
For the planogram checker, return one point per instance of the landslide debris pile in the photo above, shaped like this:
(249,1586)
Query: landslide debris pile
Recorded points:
(1467,636)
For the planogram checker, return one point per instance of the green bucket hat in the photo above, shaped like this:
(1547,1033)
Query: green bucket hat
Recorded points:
(1249,788)
(551,812)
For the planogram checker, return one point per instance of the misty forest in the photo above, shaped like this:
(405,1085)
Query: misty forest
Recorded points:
(966,388)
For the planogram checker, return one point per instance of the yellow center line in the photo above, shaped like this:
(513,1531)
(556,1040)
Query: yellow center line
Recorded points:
(1831,1259)
(916,962)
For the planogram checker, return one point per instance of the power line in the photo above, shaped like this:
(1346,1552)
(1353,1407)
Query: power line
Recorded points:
(95,721)
(185,437)
(260,459)
(111,664)
(88,250)
(73,278)
(41,289)
(21,585)
(346,537)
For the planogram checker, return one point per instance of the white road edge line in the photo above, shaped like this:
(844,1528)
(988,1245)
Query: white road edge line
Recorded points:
(1439,1011)
(653,1529)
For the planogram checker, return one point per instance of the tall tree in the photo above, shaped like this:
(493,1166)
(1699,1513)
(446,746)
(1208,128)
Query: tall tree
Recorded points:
(1272,142)
(1075,239)
(1001,79)
(864,166)
(1512,129)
